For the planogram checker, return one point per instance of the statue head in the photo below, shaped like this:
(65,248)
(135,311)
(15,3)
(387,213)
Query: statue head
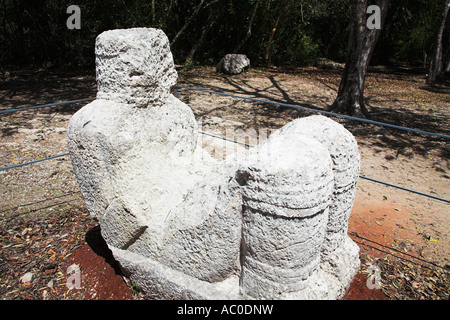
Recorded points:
(134,66)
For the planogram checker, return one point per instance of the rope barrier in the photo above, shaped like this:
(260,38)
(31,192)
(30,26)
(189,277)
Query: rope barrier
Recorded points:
(388,250)
(262,101)
(43,106)
(320,111)
(405,189)
(39,201)
(32,162)
(362,177)
(226,139)
(250,146)
(247,145)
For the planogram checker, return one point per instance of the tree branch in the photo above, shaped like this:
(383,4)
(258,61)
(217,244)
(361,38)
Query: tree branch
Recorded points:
(249,29)
(191,18)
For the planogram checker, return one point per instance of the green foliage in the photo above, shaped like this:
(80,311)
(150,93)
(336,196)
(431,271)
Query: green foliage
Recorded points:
(409,31)
(301,51)
(34,32)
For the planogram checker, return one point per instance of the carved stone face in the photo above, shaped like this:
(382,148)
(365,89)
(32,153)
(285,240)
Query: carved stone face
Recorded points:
(134,67)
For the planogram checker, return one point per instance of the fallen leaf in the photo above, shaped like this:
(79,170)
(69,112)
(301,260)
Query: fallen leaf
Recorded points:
(26,278)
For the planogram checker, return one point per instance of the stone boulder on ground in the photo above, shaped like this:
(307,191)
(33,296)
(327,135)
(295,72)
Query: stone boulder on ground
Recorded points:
(233,64)
(324,63)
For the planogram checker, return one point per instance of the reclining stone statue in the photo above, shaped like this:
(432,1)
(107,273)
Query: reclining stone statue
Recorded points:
(269,223)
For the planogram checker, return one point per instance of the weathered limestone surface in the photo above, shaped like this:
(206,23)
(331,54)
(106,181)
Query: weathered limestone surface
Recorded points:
(339,254)
(138,75)
(267,223)
(233,64)
(288,183)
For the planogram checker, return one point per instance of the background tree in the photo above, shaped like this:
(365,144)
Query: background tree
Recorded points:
(213,16)
(34,33)
(361,45)
(436,65)
(249,28)
(188,21)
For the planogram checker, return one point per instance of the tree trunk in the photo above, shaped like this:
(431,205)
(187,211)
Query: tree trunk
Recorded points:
(249,29)
(212,19)
(4,25)
(191,18)
(272,35)
(153,13)
(167,14)
(447,65)
(436,65)
(425,57)
(361,44)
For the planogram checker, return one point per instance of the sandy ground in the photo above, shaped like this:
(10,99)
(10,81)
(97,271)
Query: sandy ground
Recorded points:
(40,203)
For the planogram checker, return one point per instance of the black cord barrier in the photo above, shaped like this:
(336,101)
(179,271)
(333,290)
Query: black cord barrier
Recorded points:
(250,146)
(320,111)
(256,100)
(405,189)
(32,162)
(362,177)
(43,106)
(247,145)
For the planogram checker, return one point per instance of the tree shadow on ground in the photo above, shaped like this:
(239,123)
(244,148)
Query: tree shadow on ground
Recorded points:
(26,88)
(399,141)
(443,86)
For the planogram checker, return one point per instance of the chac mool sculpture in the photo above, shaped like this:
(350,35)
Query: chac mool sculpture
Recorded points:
(270,223)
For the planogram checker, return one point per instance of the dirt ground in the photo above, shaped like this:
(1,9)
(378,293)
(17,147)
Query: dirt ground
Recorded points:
(45,229)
